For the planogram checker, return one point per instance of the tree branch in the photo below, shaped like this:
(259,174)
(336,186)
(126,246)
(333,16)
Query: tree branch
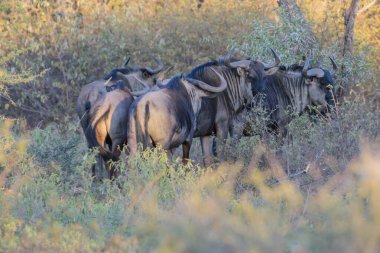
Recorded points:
(367,6)
(348,43)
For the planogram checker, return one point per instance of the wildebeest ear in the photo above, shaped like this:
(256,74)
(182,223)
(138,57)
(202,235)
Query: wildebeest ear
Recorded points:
(271,71)
(241,72)
(162,75)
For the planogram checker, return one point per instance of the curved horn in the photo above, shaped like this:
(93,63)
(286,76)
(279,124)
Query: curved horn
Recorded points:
(222,85)
(164,73)
(107,81)
(126,63)
(228,58)
(317,72)
(275,64)
(242,64)
(141,92)
(159,67)
(305,67)
(335,67)
(306,72)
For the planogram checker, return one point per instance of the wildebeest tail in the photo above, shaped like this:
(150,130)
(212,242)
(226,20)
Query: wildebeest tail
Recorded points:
(138,129)
(142,128)
(214,147)
(83,115)
(146,138)
(105,146)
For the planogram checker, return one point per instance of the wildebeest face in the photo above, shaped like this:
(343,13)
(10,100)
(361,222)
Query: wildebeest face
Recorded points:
(133,79)
(316,93)
(254,71)
(328,85)
(136,77)
(256,76)
(321,85)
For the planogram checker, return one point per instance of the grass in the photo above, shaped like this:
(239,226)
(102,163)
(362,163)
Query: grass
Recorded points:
(248,203)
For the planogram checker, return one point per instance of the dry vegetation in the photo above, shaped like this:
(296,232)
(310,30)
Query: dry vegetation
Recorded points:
(317,192)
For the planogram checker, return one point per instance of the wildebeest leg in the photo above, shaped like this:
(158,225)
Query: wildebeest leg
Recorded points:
(110,168)
(97,173)
(214,147)
(169,153)
(112,172)
(93,170)
(205,144)
(117,146)
(221,134)
(186,152)
(101,167)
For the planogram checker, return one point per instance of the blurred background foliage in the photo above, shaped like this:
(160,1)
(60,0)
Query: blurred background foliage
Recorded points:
(76,42)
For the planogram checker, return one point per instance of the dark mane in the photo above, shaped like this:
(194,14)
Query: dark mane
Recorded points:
(174,83)
(113,73)
(295,67)
(199,69)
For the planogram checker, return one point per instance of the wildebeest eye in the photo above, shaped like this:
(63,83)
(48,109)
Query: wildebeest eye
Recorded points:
(145,74)
(110,88)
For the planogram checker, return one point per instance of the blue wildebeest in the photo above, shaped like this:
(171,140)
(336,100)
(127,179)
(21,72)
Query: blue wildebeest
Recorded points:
(93,91)
(293,89)
(168,117)
(106,129)
(216,114)
(102,113)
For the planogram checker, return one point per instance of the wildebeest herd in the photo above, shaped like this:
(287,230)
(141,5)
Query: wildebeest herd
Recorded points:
(209,100)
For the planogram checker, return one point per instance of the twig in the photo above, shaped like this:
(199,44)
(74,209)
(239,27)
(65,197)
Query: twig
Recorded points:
(21,107)
(306,200)
(367,6)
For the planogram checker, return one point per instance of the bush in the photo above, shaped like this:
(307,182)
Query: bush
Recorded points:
(161,205)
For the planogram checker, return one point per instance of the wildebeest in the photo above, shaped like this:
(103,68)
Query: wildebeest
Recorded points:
(130,75)
(107,125)
(168,117)
(94,103)
(293,89)
(217,114)
(134,75)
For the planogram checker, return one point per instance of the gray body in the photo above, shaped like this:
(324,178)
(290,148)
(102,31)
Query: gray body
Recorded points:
(103,114)
(132,78)
(107,125)
(168,117)
(217,114)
